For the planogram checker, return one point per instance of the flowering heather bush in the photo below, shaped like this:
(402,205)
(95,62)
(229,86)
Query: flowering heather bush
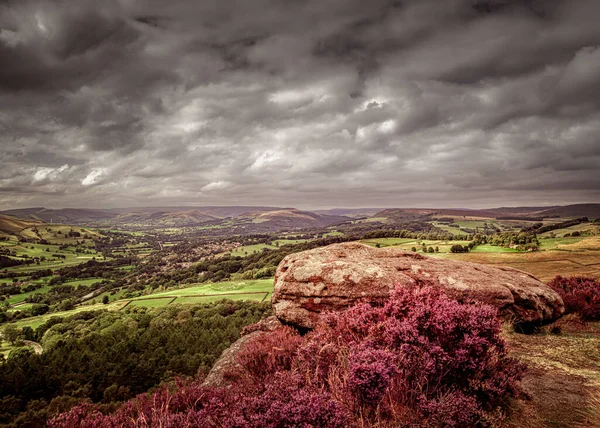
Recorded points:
(581,295)
(422,359)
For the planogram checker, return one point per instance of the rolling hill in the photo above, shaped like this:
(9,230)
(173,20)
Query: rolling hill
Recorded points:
(150,217)
(64,215)
(272,218)
(350,212)
(284,219)
(11,226)
(577,210)
(159,219)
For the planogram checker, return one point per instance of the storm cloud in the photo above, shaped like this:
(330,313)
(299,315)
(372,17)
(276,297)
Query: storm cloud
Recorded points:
(305,103)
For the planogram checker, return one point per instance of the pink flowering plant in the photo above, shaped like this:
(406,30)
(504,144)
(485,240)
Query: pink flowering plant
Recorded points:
(422,359)
(580,294)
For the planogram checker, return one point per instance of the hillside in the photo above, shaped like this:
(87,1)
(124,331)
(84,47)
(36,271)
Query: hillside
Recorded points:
(350,212)
(283,219)
(216,211)
(143,217)
(64,215)
(577,210)
(11,226)
(160,219)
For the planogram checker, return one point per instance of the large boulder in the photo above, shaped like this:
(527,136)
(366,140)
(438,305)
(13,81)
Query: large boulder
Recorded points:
(339,275)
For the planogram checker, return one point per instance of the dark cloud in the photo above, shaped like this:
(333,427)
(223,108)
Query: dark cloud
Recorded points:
(299,103)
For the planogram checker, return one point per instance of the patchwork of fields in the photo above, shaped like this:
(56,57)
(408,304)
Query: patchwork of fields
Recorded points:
(256,290)
(570,256)
(53,256)
(559,255)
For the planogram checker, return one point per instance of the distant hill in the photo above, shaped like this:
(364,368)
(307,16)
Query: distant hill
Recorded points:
(278,218)
(350,212)
(577,210)
(11,226)
(63,216)
(287,218)
(217,211)
(161,219)
(145,216)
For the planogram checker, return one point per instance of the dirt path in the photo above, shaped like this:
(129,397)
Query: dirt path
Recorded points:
(37,348)
(92,294)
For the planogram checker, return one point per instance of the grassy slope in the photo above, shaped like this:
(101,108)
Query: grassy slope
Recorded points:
(260,290)
(39,250)
(563,376)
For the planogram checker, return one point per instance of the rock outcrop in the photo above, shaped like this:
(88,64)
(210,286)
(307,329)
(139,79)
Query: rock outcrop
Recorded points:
(339,275)
(227,360)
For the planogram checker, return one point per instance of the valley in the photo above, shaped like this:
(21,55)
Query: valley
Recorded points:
(126,266)
(52,268)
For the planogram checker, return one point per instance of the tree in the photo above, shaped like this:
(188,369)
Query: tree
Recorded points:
(457,248)
(105,300)
(10,332)
(28,333)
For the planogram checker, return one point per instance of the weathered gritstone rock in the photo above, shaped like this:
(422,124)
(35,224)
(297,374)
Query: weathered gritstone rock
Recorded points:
(227,360)
(334,277)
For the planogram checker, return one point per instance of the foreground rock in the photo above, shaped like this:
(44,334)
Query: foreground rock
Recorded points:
(339,275)
(227,360)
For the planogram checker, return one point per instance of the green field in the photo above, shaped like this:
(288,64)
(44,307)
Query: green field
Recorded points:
(257,290)
(333,233)
(372,220)
(583,228)
(388,242)
(472,224)
(18,298)
(551,243)
(406,244)
(250,286)
(450,229)
(206,299)
(22,307)
(289,241)
(247,250)
(150,303)
(492,249)
(111,297)
(42,250)
(58,234)
(35,322)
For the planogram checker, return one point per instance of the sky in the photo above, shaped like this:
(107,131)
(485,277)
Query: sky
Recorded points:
(304,103)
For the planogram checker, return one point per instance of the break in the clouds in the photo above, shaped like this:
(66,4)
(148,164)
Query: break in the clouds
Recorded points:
(306,103)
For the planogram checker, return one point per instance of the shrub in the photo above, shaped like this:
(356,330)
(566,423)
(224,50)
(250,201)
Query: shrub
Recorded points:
(421,359)
(580,294)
